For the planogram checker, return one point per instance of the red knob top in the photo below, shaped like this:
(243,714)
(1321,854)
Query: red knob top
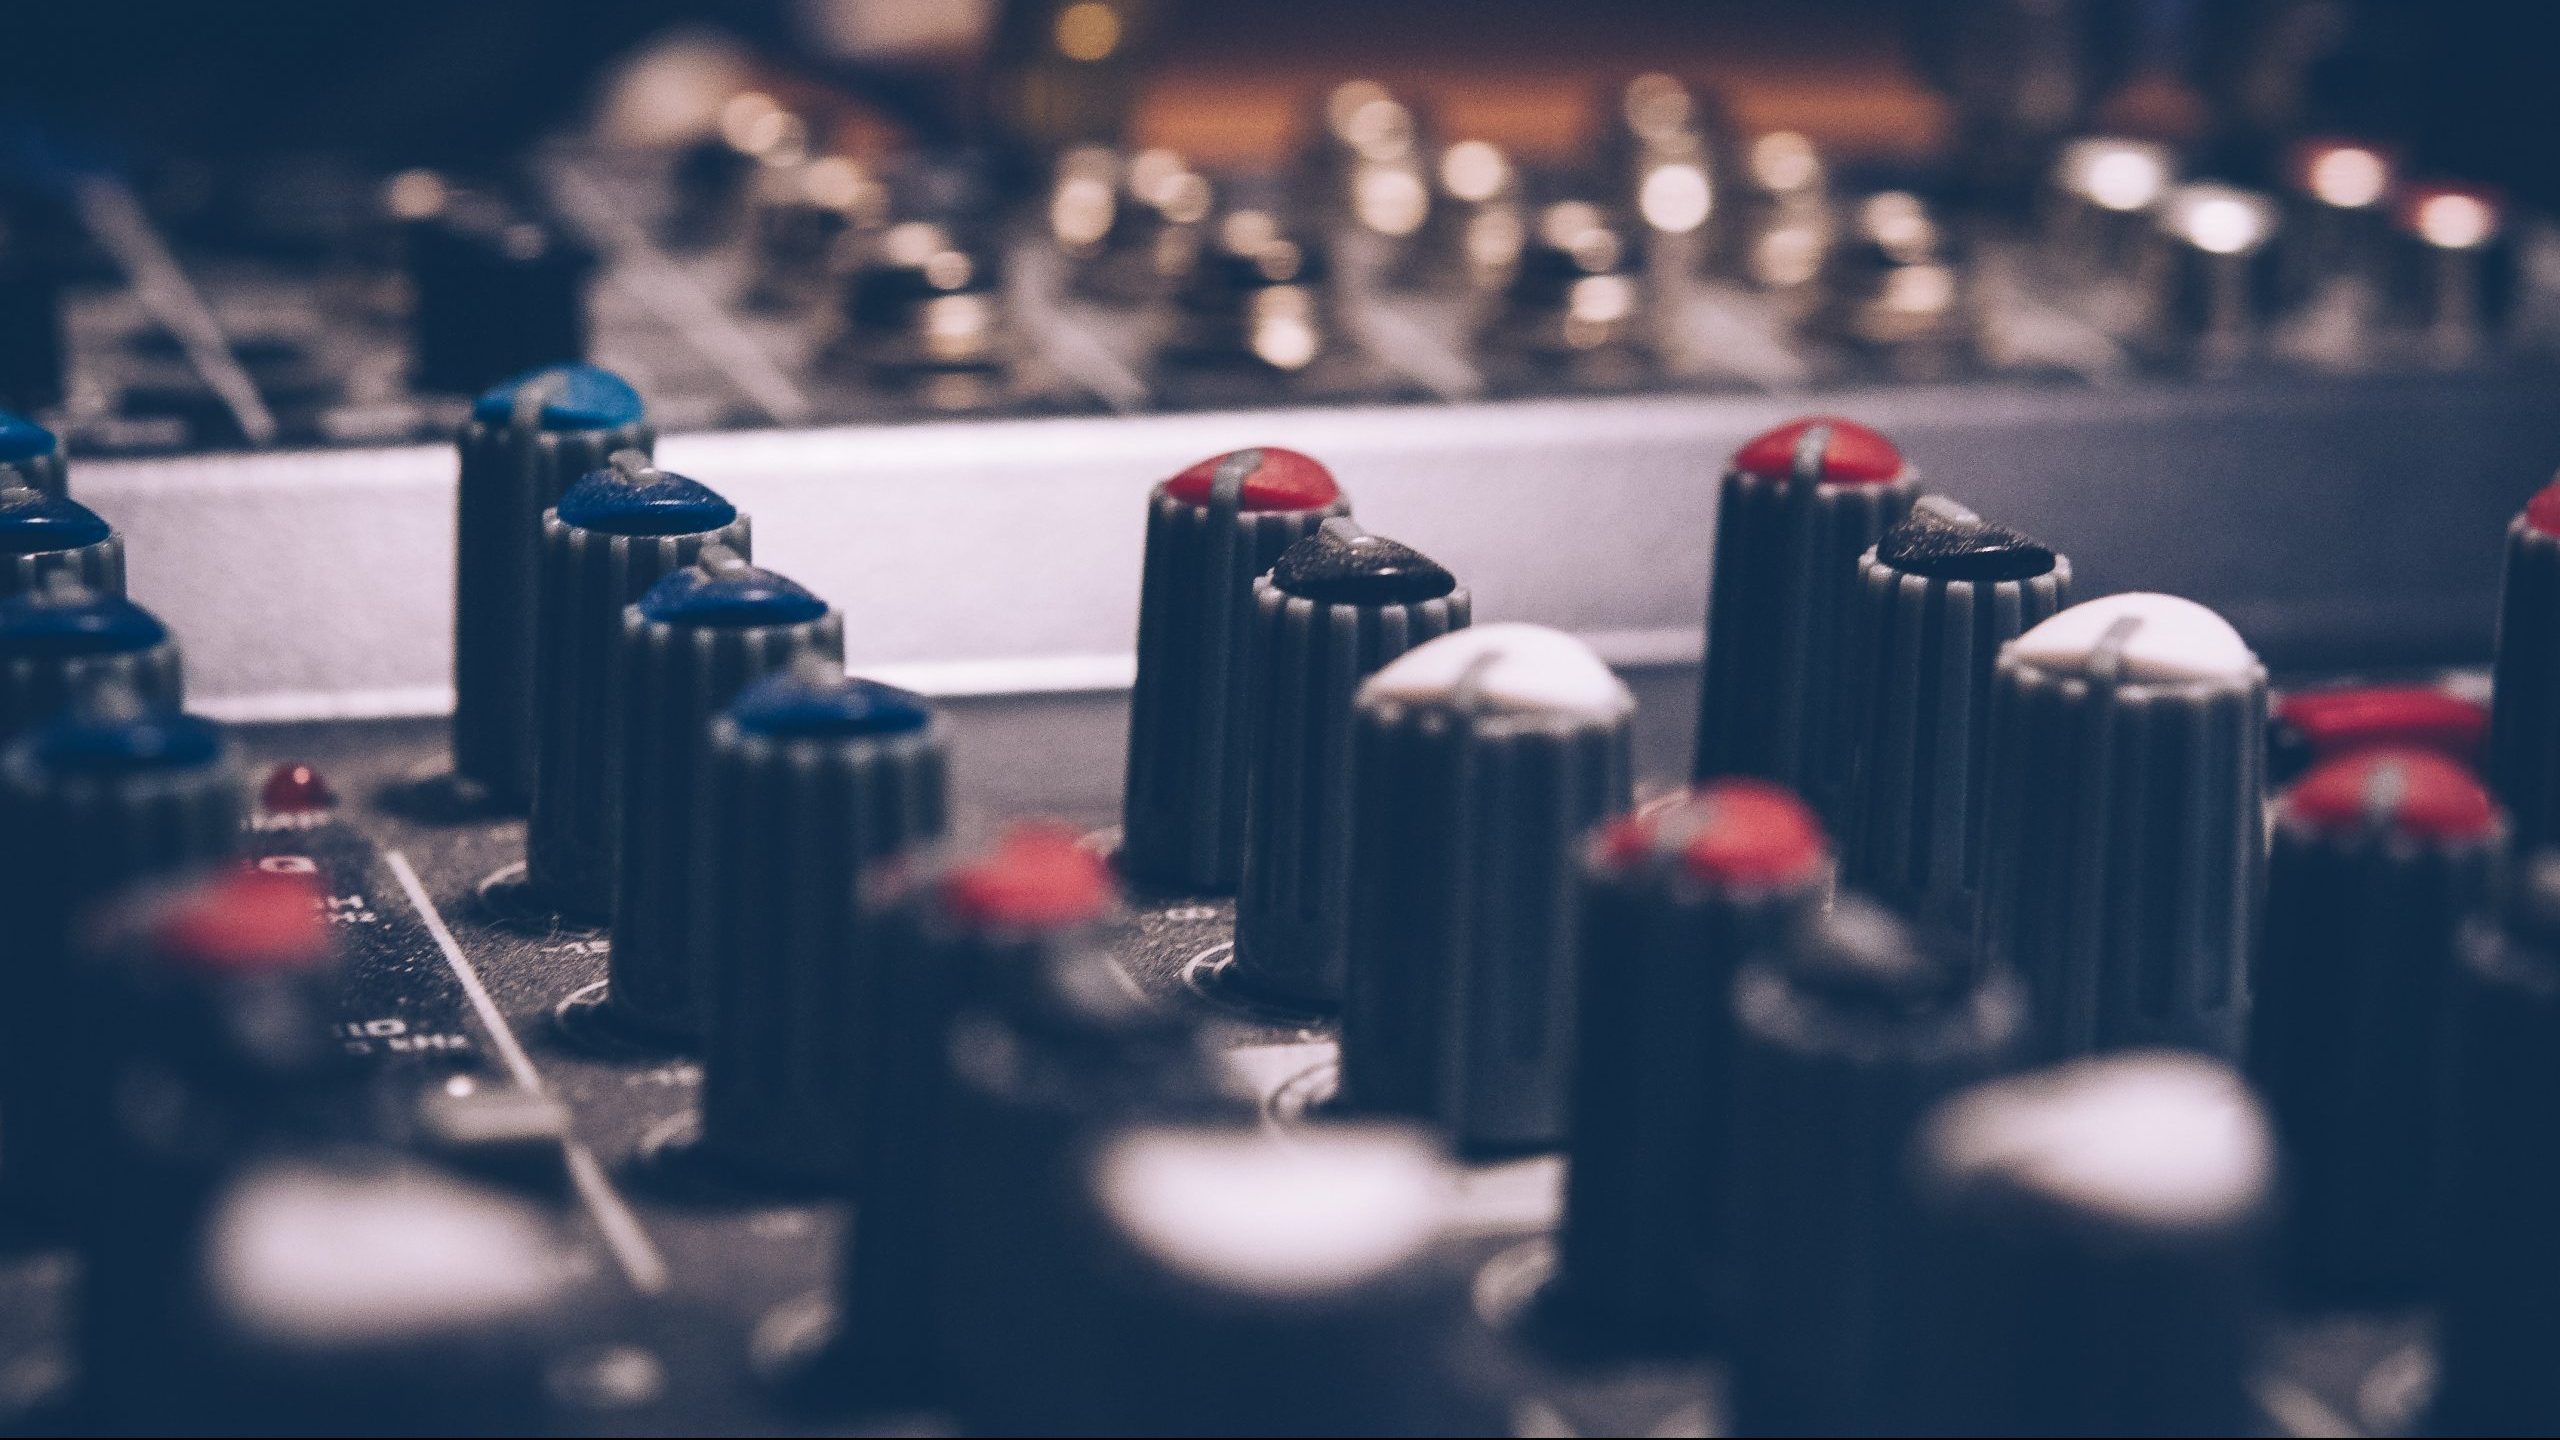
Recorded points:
(2409,717)
(1843,453)
(1036,877)
(2413,792)
(2542,512)
(1737,832)
(1270,478)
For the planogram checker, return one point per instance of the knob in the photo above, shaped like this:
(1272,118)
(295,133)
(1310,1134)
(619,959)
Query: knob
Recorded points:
(1234,1265)
(2091,1245)
(30,454)
(2336,243)
(2498,1321)
(2098,205)
(1937,597)
(1675,899)
(1253,308)
(1894,291)
(1798,505)
(688,647)
(925,309)
(1211,530)
(2378,860)
(813,777)
(1129,229)
(1478,761)
(1335,607)
(2524,711)
(2306,727)
(525,442)
(803,214)
(1472,236)
(2211,250)
(2457,268)
(1671,149)
(1361,133)
(62,637)
(1845,1032)
(44,533)
(615,533)
(492,297)
(1576,300)
(2128,761)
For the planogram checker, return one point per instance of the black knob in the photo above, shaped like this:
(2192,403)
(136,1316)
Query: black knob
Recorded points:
(2500,1307)
(44,533)
(2091,1253)
(1675,899)
(614,534)
(30,453)
(689,646)
(813,778)
(1845,1033)
(61,637)
(2378,861)
(1479,761)
(1211,530)
(2524,717)
(525,442)
(1798,505)
(1337,605)
(492,298)
(1937,598)
(2128,762)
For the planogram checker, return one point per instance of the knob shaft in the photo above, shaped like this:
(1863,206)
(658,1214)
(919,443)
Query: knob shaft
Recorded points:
(1337,605)
(30,454)
(1479,760)
(615,533)
(2378,860)
(2524,720)
(689,646)
(1798,506)
(2126,824)
(43,534)
(62,638)
(1211,530)
(1675,899)
(813,778)
(525,442)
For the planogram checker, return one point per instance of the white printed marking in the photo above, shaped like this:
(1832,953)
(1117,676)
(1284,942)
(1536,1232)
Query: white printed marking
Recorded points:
(116,220)
(632,1248)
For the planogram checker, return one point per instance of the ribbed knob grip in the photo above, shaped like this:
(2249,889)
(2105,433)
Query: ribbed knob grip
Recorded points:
(1479,761)
(62,639)
(1210,532)
(1339,605)
(2524,715)
(615,533)
(44,534)
(525,442)
(688,647)
(812,778)
(2125,827)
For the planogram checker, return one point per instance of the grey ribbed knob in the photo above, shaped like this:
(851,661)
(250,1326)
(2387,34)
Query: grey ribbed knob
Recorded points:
(62,637)
(1338,605)
(689,645)
(812,778)
(1845,1033)
(1479,760)
(32,454)
(2524,712)
(2379,860)
(525,442)
(1799,505)
(44,534)
(1675,899)
(2126,835)
(1937,598)
(2091,1246)
(1211,530)
(615,533)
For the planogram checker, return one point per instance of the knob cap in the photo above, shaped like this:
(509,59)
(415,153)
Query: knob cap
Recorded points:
(1211,530)
(2128,744)
(1479,760)
(31,454)
(2500,1308)
(2524,721)
(1337,606)
(813,777)
(1937,597)
(2378,860)
(525,442)
(2307,727)
(44,533)
(689,646)
(2091,1243)
(1675,898)
(615,533)
(1846,1032)
(1798,506)
(493,298)
(60,638)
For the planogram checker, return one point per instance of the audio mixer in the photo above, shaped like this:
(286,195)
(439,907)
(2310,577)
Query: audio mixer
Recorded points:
(586,846)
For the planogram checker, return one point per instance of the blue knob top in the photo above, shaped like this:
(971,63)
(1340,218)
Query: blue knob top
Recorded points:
(573,397)
(737,596)
(120,737)
(805,703)
(66,618)
(642,500)
(24,439)
(33,522)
